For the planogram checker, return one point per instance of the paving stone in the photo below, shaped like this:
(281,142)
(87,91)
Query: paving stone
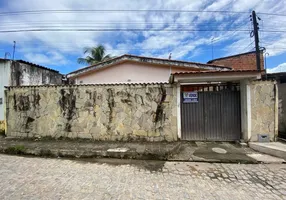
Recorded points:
(40,178)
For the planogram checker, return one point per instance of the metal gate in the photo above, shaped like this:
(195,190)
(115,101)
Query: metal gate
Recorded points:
(211,112)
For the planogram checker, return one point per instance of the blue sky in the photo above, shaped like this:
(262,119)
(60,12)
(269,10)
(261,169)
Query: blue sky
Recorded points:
(60,50)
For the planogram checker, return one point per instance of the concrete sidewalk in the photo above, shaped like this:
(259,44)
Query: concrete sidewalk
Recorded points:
(176,151)
(277,149)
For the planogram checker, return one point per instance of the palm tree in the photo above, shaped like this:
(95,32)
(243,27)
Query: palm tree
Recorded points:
(95,55)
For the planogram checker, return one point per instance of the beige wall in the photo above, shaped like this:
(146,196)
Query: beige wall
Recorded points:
(264,109)
(121,112)
(124,112)
(130,72)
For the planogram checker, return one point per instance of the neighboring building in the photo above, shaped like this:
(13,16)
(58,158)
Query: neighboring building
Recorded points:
(244,61)
(20,73)
(281,84)
(136,69)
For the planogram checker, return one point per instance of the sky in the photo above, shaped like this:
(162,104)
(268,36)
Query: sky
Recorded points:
(186,28)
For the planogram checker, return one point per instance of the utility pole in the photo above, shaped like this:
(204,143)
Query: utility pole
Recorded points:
(256,38)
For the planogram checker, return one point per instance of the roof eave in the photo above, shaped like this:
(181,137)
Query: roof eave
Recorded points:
(145,60)
(219,76)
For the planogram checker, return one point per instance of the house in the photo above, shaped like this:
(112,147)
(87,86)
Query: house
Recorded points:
(229,105)
(118,100)
(136,69)
(20,73)
(214,100)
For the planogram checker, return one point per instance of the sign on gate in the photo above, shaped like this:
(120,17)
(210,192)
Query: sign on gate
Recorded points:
(190,97)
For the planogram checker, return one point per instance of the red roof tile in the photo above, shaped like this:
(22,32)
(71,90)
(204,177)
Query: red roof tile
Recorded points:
(211,71)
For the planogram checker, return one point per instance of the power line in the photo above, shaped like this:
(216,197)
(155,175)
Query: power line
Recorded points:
(127,29)
(114,29)
(117,49)
(117,10)
(274,31)
(248,46)
(59,24)
(177,26)
(106,26)
(131,10)
(103,22)
(275,47)
(272,14)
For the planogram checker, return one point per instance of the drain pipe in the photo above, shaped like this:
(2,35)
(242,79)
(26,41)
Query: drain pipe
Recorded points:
(276,110)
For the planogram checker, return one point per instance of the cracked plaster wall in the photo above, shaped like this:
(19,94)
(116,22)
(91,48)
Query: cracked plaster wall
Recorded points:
(103,112)
(263,98)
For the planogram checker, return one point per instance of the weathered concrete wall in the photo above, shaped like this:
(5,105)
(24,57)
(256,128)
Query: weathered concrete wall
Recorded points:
(25,74)
(282,107)
(17,73)
(263,109)
(99,112)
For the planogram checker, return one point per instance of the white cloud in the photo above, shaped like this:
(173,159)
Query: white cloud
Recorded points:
(183,45)
(49,58)
(279,68)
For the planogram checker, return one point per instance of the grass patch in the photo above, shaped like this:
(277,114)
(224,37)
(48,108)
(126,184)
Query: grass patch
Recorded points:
(18,149)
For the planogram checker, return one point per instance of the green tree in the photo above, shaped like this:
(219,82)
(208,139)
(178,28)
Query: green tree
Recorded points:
(94,55)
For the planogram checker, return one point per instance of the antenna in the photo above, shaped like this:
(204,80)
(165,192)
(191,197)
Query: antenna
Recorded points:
(6,55)
(170,56)
(14,47)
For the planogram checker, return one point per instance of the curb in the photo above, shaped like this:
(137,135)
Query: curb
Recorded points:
(68,153)
(131,154)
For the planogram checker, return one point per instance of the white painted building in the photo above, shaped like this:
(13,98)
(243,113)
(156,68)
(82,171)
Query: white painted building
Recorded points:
(19,73)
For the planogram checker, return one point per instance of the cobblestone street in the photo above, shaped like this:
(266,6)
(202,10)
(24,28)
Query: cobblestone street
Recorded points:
(40,178)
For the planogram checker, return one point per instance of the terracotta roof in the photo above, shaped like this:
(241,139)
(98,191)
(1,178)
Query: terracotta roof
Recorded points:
(142,59)
(236,55)
(208,72)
